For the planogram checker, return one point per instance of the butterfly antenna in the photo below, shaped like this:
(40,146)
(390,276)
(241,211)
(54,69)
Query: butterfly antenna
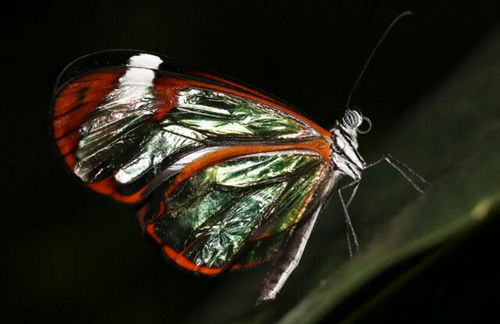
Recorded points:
(384,35)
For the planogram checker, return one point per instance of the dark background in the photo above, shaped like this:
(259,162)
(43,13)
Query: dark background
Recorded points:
(71,255)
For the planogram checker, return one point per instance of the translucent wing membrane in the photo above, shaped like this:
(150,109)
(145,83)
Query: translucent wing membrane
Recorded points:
(218,115)
(223,172)
(214,218)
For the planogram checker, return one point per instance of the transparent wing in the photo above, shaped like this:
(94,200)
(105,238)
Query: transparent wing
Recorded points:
(236,213)
(222,172)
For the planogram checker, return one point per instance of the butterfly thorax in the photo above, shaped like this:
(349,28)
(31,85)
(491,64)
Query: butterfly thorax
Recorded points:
(345,156)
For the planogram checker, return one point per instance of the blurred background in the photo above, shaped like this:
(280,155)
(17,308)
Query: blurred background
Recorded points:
(71,255)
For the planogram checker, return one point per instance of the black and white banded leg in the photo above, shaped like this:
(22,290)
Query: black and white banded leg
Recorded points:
(399,166)
(349,227)
(393,162)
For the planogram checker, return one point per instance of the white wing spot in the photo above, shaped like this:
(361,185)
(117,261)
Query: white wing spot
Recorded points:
(145,61)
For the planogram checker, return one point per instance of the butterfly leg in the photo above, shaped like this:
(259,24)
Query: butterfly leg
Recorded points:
(399,166)
(349,227)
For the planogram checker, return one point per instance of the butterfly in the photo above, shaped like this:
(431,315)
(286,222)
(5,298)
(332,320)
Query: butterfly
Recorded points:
(222,175)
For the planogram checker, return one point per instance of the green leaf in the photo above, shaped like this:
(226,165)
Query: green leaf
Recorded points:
(452,138)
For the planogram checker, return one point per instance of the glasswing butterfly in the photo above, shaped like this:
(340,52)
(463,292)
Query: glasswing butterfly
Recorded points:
(224,176)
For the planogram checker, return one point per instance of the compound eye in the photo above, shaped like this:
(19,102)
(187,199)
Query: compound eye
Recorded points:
(352,118)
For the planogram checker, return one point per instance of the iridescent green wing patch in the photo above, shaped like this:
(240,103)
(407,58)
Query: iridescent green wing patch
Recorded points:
(293,203)
(304,192)
(218,115)
(216,216)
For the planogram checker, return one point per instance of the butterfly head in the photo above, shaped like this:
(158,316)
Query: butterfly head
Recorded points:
(345,156)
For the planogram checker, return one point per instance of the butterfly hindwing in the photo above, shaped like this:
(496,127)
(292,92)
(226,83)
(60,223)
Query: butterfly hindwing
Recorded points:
(236,213)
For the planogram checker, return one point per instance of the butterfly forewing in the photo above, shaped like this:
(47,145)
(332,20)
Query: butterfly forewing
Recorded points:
(223,173)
